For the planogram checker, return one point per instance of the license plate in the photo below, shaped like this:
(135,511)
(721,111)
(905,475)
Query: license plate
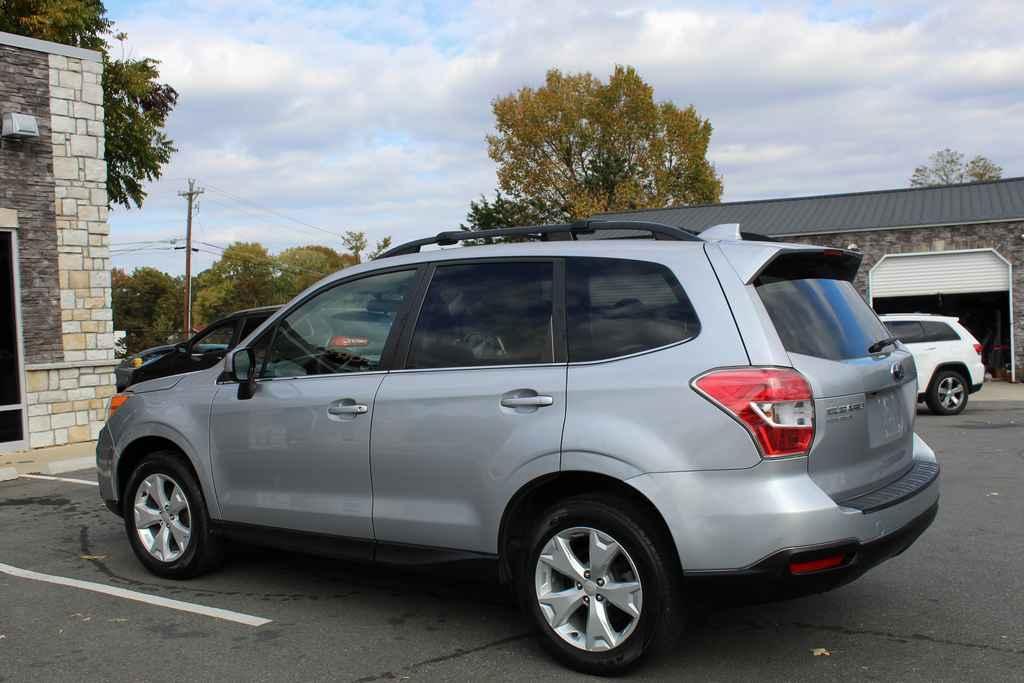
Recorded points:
(886,417)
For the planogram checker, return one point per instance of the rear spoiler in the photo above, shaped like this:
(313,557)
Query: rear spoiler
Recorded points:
(752,255)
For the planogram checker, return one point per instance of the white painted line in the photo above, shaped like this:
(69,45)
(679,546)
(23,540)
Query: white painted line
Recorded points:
(214,612)
(67,479)
(8,473)
(70,465)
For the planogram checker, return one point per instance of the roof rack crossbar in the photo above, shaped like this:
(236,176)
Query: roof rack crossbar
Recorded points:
(544,232)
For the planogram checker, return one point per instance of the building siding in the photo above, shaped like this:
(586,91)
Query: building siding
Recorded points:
(26,185)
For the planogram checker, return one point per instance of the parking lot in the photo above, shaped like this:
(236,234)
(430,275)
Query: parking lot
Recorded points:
(950,608)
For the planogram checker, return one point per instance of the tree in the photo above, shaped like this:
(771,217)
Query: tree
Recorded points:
(136,104)
(243,277)
(576,146)
(382,246)
(300,267)
(502,212)
(355,242)
(147,307)
(947,167)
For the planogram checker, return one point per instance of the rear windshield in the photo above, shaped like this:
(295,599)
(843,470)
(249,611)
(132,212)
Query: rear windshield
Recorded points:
(820,317)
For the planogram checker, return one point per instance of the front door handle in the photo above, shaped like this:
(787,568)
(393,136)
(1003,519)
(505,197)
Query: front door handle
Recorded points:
(527,401)
(348,409)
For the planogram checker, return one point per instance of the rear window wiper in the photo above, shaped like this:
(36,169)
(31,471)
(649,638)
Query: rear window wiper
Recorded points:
(881,344)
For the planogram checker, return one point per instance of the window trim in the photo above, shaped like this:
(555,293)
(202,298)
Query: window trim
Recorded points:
(198,336)
(560,351)
(387,355)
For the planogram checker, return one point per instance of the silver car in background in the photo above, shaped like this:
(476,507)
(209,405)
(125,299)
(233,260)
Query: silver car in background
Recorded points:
(621,424)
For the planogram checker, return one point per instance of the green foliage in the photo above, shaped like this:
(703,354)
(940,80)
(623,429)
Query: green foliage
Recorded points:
(503,212)
(382,246)
(300,267)
(136,104)
(947,167)
(243,277)
(355,242)
(576,146)
(148,306)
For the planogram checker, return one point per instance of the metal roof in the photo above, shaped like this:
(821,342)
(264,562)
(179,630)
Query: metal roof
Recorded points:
(999,200)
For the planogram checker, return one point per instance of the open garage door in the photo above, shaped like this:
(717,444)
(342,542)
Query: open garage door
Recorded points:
(973,285)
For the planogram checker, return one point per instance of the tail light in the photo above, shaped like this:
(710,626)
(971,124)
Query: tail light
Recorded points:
(116,401)
(977,348)
(774,404)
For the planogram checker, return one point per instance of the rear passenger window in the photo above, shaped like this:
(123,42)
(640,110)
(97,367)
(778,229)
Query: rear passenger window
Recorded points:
(616,307)
(935,331)
(907,331)
(497,313)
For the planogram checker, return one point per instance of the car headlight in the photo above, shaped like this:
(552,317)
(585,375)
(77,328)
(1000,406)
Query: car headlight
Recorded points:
(136,362)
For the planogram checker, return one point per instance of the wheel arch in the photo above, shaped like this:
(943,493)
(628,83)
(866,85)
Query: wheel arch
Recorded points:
(538,494)
(137,449)
(957,366)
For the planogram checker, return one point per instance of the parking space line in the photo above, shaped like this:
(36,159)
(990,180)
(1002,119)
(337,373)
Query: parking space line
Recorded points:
(203,610)
(67,479)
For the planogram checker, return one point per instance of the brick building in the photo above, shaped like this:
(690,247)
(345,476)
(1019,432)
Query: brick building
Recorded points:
(56,329)
(954,250)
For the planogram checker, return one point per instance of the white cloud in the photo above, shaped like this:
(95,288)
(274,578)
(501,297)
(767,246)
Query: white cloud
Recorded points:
(374,117)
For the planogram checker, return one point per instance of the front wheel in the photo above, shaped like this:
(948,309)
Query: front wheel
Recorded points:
(166,520)
(600,584)
(947,393)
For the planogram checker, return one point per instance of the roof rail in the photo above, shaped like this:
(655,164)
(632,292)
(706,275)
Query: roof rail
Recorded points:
(554,232)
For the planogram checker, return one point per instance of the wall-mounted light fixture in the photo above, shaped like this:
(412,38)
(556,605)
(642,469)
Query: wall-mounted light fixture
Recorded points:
(19,126)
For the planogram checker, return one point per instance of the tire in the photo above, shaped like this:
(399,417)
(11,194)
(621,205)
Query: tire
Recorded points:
(187,555)
(947,393)
(646,557)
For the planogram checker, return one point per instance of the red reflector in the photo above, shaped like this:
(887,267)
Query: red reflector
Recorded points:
(774,404)
(816,565)
(832,252)
(978,348)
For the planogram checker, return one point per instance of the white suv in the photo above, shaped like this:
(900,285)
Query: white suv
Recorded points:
(947,355)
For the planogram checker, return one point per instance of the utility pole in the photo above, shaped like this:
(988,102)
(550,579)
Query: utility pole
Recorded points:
(190,195)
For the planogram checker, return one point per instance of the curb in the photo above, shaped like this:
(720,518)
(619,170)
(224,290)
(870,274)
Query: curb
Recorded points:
(8,473)
(69,465)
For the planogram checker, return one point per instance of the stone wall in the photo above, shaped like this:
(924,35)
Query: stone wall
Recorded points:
(1005,238)
(26,186)
(83,236)
(57,184)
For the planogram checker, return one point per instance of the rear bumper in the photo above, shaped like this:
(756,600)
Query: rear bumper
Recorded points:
(738,523)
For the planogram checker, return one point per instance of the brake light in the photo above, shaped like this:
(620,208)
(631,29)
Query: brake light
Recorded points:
(818,565)
(774,404)
(116,401)
(977,348)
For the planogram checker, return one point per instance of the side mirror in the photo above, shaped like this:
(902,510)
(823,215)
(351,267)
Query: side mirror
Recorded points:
(243,369)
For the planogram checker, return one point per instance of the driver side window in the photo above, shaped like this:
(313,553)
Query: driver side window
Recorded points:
(342,329)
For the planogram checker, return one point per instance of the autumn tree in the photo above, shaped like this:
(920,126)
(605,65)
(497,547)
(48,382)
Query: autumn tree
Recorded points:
(243,277)
(577,146)
(147,307)
(300,267)
(136,105)
(948,167)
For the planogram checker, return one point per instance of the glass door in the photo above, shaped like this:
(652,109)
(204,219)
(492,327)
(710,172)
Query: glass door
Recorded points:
(12,420)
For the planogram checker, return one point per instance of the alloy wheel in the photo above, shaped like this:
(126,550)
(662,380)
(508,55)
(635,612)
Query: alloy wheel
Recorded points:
(163,520)
(951,392)
(588,589)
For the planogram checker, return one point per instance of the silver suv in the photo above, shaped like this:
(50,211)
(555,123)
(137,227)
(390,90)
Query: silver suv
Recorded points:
(622,424)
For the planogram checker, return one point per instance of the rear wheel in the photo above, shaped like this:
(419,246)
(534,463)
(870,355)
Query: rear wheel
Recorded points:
(947,393)
(600,585)
(166,520)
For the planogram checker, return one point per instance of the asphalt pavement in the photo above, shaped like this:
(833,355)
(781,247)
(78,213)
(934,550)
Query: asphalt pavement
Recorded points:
(950,608)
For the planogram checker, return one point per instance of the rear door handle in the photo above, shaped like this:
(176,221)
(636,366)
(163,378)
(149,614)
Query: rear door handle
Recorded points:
(527,401)
(350,409)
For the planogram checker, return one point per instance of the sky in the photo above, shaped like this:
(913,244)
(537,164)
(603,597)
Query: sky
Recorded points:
(305,119)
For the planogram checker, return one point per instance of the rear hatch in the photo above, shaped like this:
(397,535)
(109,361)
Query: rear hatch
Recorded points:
(864,402)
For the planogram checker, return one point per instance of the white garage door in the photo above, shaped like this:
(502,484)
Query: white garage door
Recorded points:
(949,272)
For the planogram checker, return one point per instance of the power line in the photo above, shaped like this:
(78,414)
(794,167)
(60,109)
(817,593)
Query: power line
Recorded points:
(272,211)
